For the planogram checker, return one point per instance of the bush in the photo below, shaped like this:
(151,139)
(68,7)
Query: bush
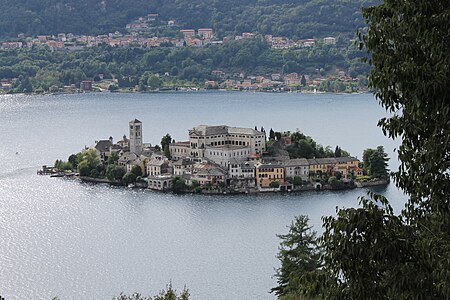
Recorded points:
(297,181)
(129,178)
(274,184)
(335,183)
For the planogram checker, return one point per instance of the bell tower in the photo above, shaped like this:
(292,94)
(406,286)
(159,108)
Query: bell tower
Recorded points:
(136,136)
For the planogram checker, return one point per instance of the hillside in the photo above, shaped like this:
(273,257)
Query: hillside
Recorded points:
(295,19)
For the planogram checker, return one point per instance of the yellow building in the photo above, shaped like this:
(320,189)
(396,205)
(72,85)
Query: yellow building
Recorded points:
(331,165)
(321,166)
(266,174)
(347,166)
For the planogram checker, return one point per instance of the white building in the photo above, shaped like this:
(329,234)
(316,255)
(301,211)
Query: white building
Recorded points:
(241,170)
(222,155)
(203,137)
(182,167)
(160,183)
(297,168)
(329,40)
(179,150)
(157,165)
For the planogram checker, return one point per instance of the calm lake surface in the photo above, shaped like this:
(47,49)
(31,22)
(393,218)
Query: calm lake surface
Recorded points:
(77,241)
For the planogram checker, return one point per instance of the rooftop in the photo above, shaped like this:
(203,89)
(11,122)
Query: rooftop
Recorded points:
(221,129)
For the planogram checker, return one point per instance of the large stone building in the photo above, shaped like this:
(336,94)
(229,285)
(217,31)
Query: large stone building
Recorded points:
(223,155)
(220,144)
(180,150)
(203,137)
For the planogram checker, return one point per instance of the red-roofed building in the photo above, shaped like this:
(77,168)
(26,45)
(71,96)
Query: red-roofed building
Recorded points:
(187,33)
(206,33)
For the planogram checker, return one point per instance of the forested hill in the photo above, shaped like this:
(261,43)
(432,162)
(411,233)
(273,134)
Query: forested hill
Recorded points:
(290,18)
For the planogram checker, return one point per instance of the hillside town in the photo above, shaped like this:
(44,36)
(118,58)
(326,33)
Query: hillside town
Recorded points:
(215,159)
(145,33)
(141,33)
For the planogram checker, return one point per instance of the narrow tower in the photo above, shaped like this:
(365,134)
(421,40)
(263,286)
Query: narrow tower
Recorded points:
(136,136)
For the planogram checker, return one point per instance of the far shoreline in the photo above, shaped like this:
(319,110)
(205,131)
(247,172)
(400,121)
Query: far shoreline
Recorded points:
(174,91)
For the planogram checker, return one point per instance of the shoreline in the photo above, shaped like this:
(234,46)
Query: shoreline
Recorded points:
(250,191)
(190,91)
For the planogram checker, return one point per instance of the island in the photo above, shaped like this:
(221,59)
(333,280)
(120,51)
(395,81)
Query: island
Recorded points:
(223,160)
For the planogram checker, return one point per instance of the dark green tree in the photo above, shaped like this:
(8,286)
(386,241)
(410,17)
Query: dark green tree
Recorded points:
(154,82)
(274,184)
(136,170)
(165,141)
(303,80)
(83,168)
(178,185)
(370,252)
(113,158)
(271,134)
(299,256)
(297,181)
(73,160)
(115,172)
(168,294)
(375,163)
(128,178)
(338,152)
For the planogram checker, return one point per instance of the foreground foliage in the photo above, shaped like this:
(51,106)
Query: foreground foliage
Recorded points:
(370,252)
(168,294)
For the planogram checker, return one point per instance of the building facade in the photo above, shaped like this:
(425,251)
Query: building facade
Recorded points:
(297,168)
(222,155)
(179,150)
(266,174)
(203,136)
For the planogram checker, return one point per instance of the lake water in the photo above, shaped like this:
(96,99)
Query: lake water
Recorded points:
(78,241)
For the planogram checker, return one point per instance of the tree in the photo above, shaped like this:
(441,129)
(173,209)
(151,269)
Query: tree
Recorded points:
(136,170)
(113,158)
(73,160)
(367,154)
(165,141)
(271,134)
(115,172)
(178,185)
(299,256)
(128,178)
(278,135)
(154,82)
(83,168)
(338,175)
(169,294)
(338,152)
(370,252)
(303,80)
(335,182)
(378,164)
(274,184)
(297,181)
(375,162)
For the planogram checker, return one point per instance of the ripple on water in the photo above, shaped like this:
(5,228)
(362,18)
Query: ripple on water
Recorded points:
(60,237)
